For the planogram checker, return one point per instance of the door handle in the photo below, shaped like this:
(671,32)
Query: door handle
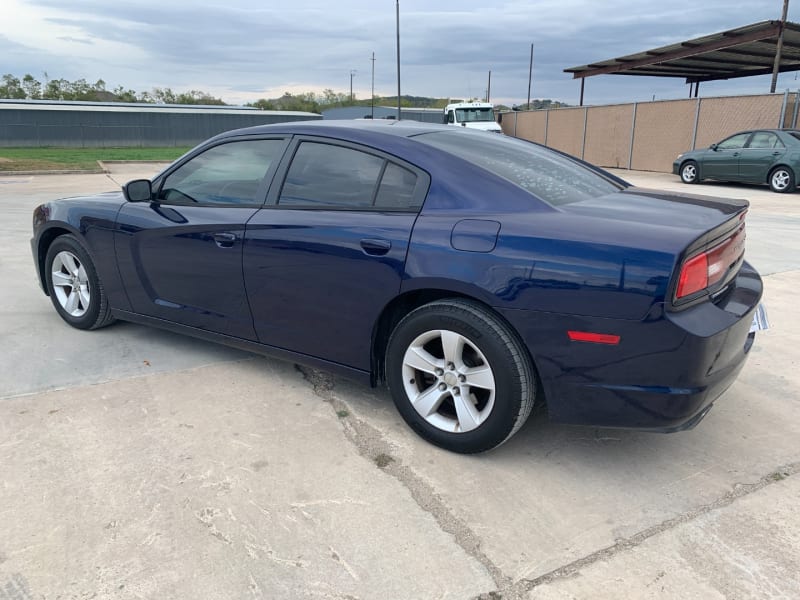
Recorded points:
(376,246)
(735,154)
(224,239)
(776,153)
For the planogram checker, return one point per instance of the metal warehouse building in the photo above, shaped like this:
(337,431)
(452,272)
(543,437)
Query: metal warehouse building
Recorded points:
(427,115)
(26,123)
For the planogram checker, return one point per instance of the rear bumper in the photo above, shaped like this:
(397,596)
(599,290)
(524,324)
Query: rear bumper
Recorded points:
(664,374)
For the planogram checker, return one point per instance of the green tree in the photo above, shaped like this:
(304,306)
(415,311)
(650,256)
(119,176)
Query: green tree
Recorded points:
(164,96)
(262,104)
(32,87)
(197,97)
(11,88)
(56,89)
(123,95)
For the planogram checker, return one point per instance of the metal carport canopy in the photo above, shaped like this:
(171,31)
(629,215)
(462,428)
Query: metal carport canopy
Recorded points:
(741,52)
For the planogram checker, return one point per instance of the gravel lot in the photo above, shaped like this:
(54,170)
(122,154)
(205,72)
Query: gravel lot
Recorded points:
(140,464)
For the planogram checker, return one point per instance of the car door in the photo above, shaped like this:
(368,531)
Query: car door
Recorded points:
(762,151)
(722,161)
(328,252)
(180,255)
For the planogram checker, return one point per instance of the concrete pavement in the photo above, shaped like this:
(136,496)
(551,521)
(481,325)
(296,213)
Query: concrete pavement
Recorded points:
(140,464)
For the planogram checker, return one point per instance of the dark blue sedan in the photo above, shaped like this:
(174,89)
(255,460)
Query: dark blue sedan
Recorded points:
(477,275)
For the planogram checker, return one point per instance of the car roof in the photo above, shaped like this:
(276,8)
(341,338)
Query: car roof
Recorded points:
(405,128)
(770,129)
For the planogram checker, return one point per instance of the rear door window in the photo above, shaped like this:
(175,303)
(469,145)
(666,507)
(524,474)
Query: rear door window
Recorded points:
(765,140)
(323,175)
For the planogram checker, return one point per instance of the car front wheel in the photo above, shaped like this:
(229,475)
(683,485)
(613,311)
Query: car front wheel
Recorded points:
(781,180)
(689,172)
(73,285)
(459,376)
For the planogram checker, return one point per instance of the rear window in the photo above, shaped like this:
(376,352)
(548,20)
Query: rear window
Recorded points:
(547,175)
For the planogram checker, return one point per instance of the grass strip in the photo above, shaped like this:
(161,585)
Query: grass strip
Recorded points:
(78,159)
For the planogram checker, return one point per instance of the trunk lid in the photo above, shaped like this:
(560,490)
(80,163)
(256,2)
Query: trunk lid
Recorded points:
(701,214)
(713,230)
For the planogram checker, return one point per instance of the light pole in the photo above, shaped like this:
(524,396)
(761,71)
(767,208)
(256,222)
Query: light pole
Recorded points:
(530,76)
(372,102)
(397,12)
(352,73)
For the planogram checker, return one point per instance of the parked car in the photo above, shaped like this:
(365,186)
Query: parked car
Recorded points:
(476,275)
(769,156)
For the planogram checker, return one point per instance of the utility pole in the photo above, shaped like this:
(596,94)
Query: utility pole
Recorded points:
(397,11)
(530,77)
(779,48)
(352,73)
(372,102)
(489,86)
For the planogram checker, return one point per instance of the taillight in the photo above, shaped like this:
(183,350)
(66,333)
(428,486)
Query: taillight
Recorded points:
(708,268)
(694,276)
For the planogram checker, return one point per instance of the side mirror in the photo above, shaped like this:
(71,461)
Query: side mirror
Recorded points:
(713,147)
(138,190)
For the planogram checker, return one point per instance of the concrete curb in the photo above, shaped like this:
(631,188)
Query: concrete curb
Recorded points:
(102,170)
(54,172)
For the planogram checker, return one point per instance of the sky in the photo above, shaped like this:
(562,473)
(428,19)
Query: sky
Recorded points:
(242,50)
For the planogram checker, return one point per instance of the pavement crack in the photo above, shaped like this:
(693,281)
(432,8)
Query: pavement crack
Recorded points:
(370,443)
(518,589)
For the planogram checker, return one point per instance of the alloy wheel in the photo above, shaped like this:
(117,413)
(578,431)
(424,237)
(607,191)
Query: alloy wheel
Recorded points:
(781,179)
(448,381)
(70,284)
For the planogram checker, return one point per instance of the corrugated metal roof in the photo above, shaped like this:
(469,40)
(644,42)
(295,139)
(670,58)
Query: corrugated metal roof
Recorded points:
(66,105)
(741,52)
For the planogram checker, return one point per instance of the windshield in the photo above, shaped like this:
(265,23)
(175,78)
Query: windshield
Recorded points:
(546,174)
(469,115)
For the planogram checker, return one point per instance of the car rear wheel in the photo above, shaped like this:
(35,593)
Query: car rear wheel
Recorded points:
(689,172)
(459,376)
(73,285)
(781,180)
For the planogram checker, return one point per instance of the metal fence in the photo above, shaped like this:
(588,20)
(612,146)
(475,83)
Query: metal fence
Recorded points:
(647,136)
(99,125)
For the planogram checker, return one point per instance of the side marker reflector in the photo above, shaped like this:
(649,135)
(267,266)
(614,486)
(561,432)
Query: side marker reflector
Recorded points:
(595,338)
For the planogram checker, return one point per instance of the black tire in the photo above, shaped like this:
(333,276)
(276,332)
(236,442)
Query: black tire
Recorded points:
(781,180)
(488,345)
(79,297)
(689,172)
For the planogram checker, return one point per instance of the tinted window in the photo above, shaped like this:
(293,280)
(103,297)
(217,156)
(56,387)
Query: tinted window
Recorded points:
(735,141)
(397,188)
(226,174)
(548,175)
(323,175)
(765,139)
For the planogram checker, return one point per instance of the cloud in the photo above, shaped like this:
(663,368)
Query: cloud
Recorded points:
(242,49)
(68,38)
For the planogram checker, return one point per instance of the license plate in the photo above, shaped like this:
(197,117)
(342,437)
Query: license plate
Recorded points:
(760,320)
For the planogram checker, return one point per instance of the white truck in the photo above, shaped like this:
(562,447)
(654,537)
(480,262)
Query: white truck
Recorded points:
(475,115)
